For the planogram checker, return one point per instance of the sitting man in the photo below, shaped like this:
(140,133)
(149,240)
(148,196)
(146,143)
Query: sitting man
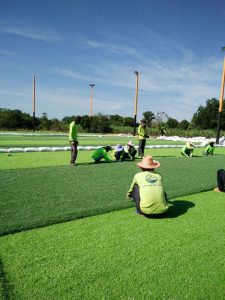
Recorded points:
(129,151)
(188,149)
(220,181)
(209,150)
(102,153)
(147,189)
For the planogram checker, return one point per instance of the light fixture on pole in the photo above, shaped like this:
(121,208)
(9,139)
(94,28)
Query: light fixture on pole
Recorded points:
(34,100)
(91,98)
(135,102)
(221,101)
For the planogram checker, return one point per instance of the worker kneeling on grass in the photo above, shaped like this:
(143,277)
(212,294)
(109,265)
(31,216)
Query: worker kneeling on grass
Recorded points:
(188,150)
(147,189)
(209,150)
(129,151)
(118,152)
(102,153)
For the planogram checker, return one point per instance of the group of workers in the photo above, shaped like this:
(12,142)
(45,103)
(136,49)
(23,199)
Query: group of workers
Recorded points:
(146,188)
(188,149)
(120,153)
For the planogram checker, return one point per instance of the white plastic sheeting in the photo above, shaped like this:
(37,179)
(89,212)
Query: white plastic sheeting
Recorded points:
(201,140)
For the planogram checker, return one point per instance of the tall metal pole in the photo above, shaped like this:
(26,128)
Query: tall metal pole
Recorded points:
(91,98)
(34,99)
(221,101)
(135,102)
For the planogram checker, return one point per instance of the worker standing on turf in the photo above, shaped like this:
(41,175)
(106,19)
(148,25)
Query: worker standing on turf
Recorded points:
(209,150)
(188,149)
(142,135)
(73,139)
(147,189)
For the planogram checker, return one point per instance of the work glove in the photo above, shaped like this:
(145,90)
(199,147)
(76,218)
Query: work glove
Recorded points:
(129,195)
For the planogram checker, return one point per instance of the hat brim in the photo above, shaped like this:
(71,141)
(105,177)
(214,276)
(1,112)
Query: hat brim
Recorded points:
(155,165)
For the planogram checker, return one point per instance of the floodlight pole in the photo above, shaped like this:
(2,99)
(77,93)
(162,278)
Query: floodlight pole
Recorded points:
(135,102)
(91,98)
(221,101)
(34,99)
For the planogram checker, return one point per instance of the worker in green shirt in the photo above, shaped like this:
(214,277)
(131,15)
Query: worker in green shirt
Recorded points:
(73,139)
(142,135)
(188,149)
(101,153)
(147,189)
(209,150)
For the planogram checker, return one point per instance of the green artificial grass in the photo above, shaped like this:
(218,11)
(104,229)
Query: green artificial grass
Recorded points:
(41,196)
(61,158)
(120,255)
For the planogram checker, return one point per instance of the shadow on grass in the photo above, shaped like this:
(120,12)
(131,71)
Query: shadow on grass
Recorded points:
(6,287)
(177,208)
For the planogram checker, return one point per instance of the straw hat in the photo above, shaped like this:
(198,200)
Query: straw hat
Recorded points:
(130,143)
(190,145)
(148,163)
(119,148)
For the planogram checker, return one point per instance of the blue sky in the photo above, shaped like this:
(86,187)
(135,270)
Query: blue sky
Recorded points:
(175,45)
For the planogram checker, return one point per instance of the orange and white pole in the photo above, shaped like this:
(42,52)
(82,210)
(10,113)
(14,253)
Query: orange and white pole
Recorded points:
(34,100)
(136,102)
(221,103)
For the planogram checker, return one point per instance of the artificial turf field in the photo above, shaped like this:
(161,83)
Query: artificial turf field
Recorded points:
(115,255)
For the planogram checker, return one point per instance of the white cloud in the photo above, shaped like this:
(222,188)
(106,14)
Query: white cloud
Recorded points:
(36,34)
(113,48)
(70,73)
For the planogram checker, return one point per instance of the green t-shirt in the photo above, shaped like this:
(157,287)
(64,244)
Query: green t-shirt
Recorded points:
(101,153)
(73,131)
(152,195)
(142,132)
(209,150)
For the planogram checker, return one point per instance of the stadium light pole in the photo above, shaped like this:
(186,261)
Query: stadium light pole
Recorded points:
(221,101)
(91,98)
(34,100)
(135,102)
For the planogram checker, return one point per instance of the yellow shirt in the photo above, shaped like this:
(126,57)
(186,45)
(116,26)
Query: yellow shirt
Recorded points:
(151,191)
(142,132)
(73,131)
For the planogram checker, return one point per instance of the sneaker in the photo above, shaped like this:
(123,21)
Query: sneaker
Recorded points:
(73,164)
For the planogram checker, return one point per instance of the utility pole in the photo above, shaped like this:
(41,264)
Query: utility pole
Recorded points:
(34,99)
(136,102)
(221,101)
(91,98)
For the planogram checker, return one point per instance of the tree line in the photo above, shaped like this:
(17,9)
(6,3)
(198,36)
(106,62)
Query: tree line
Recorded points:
(205,117)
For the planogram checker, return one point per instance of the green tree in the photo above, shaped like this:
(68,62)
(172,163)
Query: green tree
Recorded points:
(148,116)
(172,123)
(116,120)
(184,124)
(206,116)
(44,122)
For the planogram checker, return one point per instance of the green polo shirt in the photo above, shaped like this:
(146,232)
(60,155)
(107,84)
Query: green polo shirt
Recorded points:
(73,132)
(152,195)
(101,153)
(142,132)
(209,150)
